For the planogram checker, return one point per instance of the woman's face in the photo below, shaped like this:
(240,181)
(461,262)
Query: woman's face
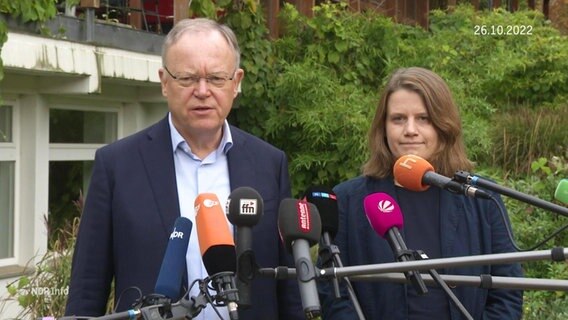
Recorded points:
(408,126)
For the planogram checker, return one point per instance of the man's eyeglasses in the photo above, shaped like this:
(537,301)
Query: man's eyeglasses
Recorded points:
(189,80)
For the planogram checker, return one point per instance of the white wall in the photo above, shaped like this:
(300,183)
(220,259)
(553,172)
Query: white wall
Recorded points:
(42,73)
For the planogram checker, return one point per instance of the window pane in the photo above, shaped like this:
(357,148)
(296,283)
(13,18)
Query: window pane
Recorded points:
(67,180)
(5,123)
(74,126)
(6,209)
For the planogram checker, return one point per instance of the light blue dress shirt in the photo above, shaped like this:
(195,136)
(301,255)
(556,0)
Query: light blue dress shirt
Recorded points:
(195,176)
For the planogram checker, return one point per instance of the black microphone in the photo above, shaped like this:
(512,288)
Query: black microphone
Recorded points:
(217,249)
(245,208)
(386,219)
(325,201)
(415,173)
(299,226)
(174,265)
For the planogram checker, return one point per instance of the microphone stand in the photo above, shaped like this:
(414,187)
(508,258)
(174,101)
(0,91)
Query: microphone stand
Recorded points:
(466,177)
(182,310)
(330,255)
(227,292)
(402,254)
(484,281)
(162,309)
(420,255)
(557,254)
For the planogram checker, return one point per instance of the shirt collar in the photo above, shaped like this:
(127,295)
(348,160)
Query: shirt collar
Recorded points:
(177,139)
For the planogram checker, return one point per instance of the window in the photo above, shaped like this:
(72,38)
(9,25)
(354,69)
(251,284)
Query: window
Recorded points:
(5,124)
(6,209)
(74,136)
(7,182)
(75,126)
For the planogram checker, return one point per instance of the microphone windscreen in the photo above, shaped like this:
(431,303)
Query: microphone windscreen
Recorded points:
(325,201)
(245,207)
(409,170)
(298,219)
(561,193)
(215,240)
(173,265)
(382,212)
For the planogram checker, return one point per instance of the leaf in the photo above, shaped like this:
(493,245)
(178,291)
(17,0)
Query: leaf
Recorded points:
(12,290)
(24,281)
(333,57)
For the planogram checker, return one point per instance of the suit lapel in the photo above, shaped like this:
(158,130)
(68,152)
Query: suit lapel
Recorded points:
(157,155)
(241,161)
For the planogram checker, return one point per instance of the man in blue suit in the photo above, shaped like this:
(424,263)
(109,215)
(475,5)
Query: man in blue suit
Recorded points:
(142,183)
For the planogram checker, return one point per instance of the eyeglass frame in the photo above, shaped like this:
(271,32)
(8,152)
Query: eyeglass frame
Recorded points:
(195,79)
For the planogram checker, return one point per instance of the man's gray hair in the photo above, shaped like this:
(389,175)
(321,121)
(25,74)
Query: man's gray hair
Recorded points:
(199,25)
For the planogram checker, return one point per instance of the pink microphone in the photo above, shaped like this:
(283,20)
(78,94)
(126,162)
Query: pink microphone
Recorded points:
(383,213)
(385,217)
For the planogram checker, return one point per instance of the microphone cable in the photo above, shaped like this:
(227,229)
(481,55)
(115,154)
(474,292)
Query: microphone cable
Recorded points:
(510,233)
(204,287)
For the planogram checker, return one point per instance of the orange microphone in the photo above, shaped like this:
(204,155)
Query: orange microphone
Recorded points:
(409,171)
(416,174)
(217,249)
(212,228)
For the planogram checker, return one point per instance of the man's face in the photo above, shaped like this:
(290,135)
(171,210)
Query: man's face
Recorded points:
(200,106)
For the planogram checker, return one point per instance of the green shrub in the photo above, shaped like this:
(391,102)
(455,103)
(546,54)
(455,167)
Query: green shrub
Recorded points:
(525,135)
(44,291)
(321,124)
(531,225)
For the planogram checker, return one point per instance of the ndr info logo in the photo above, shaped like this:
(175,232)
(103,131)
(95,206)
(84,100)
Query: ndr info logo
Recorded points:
(47,291)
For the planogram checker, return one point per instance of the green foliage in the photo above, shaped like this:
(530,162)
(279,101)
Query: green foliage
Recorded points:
(29,10)
(507,69)
(526,135)
(44,291)
(531,225)
(321,124)
(257,59)
(340,40)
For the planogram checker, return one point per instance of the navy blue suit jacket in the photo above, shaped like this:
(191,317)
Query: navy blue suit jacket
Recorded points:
(467,227)
(130,209)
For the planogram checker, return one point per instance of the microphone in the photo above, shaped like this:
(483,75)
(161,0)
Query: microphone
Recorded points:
(217,249)
(245,208)
(173,265)
(416,174)
(299,226)
(561,193)
(325,201)
(386,219)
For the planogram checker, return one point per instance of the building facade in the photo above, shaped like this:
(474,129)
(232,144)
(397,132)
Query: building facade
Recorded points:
(62,97)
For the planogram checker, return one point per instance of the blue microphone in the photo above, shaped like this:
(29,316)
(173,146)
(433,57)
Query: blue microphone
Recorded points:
(173,264)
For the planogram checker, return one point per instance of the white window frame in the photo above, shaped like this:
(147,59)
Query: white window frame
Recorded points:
(81,151)
(9,151)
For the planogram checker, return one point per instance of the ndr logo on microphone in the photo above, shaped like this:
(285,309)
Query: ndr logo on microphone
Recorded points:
(385,206)
(248,206)
(176,234)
